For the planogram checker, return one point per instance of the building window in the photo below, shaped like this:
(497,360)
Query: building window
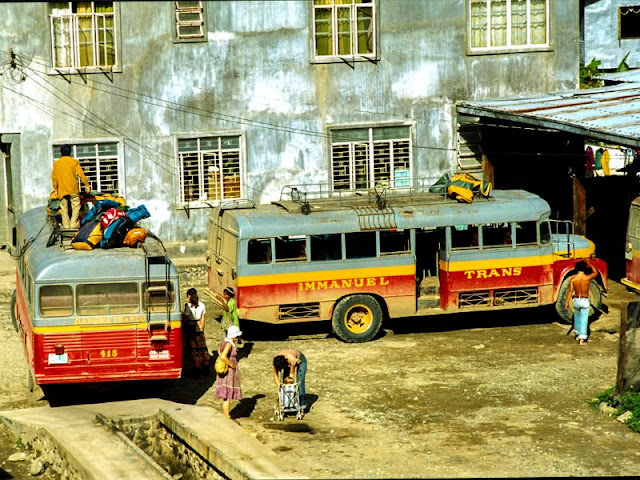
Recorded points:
(190,21)
(210,169)
(100,163)
(344,28)
(83,35)
(366,158)
(497,25)
(629,21)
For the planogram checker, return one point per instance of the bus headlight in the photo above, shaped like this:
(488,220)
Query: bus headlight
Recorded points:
(59,349)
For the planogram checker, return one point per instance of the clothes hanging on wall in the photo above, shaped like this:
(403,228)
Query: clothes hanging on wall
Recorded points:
(598,159)
(606,158)
(589,163)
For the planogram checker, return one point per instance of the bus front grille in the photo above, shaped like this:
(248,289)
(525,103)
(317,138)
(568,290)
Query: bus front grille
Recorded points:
(299,310)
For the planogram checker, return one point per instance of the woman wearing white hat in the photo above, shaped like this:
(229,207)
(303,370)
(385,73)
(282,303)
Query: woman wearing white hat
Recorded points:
(228,384)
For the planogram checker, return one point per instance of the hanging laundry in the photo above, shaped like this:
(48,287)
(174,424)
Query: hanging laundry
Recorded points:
(606,158)
(589,162)
(598,161)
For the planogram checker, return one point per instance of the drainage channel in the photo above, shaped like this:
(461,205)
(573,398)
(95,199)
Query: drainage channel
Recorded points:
(149,439)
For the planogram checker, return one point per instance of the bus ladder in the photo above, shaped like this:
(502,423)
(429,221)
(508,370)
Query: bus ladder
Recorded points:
(156,254)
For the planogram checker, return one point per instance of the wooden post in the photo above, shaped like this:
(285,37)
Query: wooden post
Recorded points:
(579,207)
(487,170)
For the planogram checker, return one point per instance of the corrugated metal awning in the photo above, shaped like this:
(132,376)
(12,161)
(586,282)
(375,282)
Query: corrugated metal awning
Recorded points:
(610,114)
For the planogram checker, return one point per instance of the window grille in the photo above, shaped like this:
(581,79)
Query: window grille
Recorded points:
(508,24)
(210,169)
(189,20)
(100,163)
(344,28)
(83,36)
(366,158)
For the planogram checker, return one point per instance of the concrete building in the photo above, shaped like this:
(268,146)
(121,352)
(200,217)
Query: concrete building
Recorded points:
(611,30)
(178,105)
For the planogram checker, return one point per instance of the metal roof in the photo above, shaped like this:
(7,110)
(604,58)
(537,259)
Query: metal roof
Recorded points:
(610,114)
(628,76)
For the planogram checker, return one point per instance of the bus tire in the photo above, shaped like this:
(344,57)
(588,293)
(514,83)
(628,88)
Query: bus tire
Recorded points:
(14,311)
(595,299)
(357,318)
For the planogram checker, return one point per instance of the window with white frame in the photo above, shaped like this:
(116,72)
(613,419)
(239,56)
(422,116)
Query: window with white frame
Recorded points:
(210,169)
(344,28)
(100,163)
(503,25)
(365,158)
(190,21)
(83,35)
(629,21)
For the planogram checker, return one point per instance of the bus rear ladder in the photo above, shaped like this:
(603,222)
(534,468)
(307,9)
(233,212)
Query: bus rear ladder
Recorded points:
(156,254)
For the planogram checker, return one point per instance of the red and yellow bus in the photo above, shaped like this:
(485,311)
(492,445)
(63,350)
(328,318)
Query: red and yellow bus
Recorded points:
(355,262)
(632,248)
(94,316)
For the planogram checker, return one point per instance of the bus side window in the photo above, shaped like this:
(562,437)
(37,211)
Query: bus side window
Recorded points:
(526,233)
(360,244)
(545,233)
(56,300)
(326,247)
(259,251)
(496,235)
(395,241)
(464,236)
(291,248)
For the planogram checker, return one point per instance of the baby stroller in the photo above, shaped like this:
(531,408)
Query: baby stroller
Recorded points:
(288,401)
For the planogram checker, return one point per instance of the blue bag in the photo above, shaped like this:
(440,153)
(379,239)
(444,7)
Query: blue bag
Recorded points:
(138,213)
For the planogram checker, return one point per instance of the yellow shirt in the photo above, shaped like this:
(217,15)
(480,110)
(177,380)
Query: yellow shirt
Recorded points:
(64,176)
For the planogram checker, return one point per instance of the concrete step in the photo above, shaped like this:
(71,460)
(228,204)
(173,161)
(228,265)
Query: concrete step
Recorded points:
(429,301)
(88,449)
(84,435)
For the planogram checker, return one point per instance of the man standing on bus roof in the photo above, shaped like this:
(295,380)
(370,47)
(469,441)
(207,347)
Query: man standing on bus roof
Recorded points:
(579,291)
(65,174)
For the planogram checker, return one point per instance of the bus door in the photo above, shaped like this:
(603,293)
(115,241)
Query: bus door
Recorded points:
(632,249)
(223,261)
(428,243)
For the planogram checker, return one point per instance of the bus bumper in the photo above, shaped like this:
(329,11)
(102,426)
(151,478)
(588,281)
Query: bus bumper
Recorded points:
(631,285)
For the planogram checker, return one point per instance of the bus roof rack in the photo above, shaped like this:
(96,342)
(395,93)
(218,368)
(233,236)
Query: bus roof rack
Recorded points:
(294,197)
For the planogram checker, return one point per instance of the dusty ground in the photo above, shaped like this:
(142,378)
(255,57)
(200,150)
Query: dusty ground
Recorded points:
(478,395)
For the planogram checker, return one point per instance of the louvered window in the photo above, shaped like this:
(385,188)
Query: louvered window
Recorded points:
(190,21)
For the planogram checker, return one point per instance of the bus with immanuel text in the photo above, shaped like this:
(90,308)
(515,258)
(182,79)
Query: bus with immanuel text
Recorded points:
(94,316)
(355,260)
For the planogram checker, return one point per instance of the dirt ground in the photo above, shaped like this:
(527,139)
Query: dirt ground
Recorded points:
(500,394)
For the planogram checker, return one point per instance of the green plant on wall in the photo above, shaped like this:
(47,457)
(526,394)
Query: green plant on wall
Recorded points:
(589,73)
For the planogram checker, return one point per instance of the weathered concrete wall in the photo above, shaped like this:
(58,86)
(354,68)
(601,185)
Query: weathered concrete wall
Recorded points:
(601,35)
(254,75)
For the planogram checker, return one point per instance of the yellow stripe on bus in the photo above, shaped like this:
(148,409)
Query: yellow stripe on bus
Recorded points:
(320,275)
(534,261)
(76,328)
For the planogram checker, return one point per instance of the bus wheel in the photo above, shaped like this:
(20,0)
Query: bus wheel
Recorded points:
(357,318)
(14,311)
(595,299)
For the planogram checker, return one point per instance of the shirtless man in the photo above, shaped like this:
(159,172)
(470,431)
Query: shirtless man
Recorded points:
(579,291)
